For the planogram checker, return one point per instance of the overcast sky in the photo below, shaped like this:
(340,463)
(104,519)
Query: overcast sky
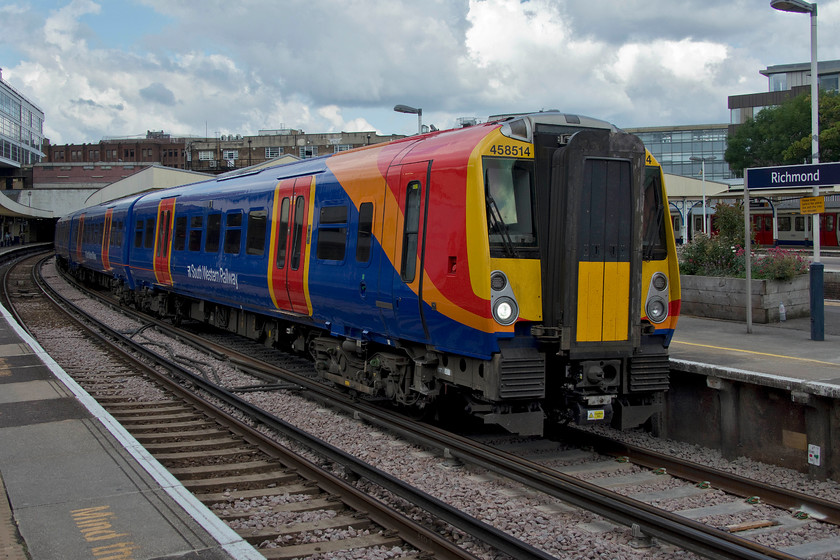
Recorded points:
(119,68)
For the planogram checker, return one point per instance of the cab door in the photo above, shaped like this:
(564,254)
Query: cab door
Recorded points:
(163,241)
(290,234)
(402,277)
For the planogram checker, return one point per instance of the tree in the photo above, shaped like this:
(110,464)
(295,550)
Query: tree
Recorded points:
(781,135)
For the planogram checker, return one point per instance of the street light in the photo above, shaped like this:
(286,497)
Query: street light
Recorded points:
(703,161)
(413,111)
(801,7)
(817,302)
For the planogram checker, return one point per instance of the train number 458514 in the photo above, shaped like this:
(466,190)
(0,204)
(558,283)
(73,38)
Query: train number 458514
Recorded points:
(512,151)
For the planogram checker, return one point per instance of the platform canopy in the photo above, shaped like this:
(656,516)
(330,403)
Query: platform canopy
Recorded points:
(12,209)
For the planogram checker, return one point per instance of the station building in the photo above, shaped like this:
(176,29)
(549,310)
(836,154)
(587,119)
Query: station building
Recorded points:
(21,142)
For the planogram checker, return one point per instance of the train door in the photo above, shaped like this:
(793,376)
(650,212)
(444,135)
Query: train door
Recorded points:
(401,271)
(106,240)
(80,237)
(828,230)
(605,229)
(676,224)
(163,241)
(290,231)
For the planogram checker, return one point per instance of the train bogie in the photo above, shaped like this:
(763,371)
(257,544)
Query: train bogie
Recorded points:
(523,268)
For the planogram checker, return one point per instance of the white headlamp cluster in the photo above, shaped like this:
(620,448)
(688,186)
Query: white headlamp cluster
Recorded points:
(656,305)
(502,300)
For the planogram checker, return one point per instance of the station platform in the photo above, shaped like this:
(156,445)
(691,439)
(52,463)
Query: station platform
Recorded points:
(777,354)
(78,485)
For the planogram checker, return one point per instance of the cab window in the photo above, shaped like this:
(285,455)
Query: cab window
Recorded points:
(509,199)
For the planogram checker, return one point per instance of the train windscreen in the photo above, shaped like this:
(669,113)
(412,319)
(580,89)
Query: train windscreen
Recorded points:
(509,196)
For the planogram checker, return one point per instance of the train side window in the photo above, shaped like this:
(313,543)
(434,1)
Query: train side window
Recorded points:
(233,233)
(283,233)
(784,223)
(149,234)
(112,240)
(365,235)
(180,233)
(297,231)
(196,228)
(255,237)
(799,223)
(411,230)
(138,234)
(214,233)
(653,219)
(829,223)
(332,233)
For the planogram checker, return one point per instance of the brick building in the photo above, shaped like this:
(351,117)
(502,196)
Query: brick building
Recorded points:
(155,147)
(211,155)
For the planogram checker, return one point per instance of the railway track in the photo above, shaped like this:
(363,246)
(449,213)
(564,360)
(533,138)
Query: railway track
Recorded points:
(228,464)
(565,483)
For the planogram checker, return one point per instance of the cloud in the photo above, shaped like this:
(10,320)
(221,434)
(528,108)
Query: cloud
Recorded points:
(325,66)
(158,93)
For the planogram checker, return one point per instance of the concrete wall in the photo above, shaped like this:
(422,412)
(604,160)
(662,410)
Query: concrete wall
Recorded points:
(58,201)
(729,411)
(725,298)
(832,285)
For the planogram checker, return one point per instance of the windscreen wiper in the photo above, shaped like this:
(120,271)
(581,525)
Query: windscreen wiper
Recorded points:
(499,225)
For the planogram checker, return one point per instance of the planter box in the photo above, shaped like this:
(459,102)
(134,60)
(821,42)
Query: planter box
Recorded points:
(725,298)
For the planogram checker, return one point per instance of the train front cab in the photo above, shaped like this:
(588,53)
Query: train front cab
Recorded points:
(605,305)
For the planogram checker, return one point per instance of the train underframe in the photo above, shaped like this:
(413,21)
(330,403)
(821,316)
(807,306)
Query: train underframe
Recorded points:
(519,389)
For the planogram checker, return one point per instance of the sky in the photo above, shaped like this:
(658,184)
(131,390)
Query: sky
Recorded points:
(118,68)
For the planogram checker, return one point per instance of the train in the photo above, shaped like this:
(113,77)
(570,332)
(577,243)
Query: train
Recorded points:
(520,271)
(774,223)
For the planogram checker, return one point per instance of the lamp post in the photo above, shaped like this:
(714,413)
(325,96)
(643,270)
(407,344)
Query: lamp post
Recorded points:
(817,302)
(703,161)
(412,111)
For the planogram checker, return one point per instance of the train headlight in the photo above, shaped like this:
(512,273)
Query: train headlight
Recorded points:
(505,310)
(657,310)
(498,281)
(659,281)
(502,299)
(656,304)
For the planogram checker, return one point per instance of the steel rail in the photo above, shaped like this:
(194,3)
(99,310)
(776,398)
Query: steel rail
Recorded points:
(821,509)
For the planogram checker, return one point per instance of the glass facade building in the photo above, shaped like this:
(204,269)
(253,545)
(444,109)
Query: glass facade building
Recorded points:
(675,146)
(21,129)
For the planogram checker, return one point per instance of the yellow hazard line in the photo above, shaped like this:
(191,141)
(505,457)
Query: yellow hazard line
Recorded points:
(756,353)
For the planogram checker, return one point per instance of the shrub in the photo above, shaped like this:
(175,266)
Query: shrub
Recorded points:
(711,256)
(722,254)
(781,264)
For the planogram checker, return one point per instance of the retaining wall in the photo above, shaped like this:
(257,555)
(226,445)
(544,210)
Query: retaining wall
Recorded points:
(725,298)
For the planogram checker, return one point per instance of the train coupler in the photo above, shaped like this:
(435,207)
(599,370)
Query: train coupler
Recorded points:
(597,410)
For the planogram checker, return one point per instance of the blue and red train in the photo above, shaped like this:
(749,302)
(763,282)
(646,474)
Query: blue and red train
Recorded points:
(520,270)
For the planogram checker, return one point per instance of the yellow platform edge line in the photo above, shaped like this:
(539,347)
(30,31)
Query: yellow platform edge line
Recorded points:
(756,353)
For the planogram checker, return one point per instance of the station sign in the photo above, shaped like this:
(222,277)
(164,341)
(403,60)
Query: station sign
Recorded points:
(812,205)
(793,176)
